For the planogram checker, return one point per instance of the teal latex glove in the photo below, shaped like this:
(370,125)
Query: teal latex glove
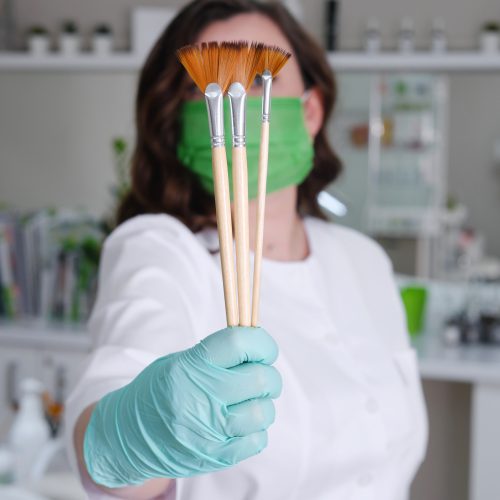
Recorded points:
(191,412)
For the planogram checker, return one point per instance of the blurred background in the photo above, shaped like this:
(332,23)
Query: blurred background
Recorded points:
(417,126)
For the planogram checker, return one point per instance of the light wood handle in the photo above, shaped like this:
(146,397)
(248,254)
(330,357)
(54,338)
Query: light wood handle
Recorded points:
(261,209)
(240,191)
(224,227)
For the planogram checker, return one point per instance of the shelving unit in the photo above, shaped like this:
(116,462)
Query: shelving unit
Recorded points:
(341,61)
(36,334)
(119,61)
(448,62)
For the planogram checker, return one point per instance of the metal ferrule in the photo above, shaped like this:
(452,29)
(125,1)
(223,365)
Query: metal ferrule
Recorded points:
(215,102)
(237,99)
(267,81)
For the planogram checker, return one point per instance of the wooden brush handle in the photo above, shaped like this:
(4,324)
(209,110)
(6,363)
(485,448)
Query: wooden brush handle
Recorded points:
(259,231)
(224,227)
(240,191)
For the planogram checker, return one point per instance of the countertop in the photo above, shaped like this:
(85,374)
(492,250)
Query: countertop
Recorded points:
(461,363)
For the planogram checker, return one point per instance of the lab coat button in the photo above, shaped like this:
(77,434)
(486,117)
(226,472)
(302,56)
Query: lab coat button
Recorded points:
(371,406)
(365,480)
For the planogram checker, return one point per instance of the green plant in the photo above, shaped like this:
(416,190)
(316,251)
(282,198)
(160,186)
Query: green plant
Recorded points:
(120,150)
(87,251)
(103,29)
(38,30)
(491,27)
(69,27)
(121,187)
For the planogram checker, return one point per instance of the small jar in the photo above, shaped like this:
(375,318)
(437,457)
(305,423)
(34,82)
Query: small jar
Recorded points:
(102,40)
(438,36)
(490,39)
(38,41)
(69,39)
(406,37)
(372,37)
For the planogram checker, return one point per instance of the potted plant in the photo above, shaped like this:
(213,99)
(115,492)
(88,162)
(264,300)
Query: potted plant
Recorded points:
(38,40)
(102,40)
(69,40)
(490,37)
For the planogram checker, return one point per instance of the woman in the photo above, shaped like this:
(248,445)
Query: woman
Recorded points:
(168,409)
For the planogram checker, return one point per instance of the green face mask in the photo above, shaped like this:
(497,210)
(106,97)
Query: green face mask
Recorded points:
(290,146)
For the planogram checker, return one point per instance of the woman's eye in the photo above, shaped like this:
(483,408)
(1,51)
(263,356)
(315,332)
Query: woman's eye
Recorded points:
(192,92)
(257,82)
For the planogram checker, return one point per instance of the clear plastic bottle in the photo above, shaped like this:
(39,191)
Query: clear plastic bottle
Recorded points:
(30,432)
(6,466)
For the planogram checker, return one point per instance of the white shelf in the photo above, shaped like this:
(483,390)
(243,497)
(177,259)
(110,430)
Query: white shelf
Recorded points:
(418,61)
(33,333)
(119,61)
(340,61)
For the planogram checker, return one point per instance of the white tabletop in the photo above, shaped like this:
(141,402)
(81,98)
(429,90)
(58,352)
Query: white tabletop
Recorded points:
(461,363)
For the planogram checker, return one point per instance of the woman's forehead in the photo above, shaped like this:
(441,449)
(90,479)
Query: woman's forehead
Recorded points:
(253,27)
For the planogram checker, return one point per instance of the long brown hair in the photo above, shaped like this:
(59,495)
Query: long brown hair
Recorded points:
(160,183)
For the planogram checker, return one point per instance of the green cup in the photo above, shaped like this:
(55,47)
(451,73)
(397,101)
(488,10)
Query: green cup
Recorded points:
(414,300)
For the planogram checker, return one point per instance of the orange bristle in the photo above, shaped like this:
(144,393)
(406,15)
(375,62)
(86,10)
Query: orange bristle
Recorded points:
(209,63)
(248,57)
(190,57)
(239,74)
(255,53)
(210,58)
(273,59)
(228,58)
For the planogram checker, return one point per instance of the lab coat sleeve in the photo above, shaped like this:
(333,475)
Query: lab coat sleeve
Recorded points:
(148,305)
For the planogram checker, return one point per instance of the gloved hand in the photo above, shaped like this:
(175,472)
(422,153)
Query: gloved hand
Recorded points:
(187,413)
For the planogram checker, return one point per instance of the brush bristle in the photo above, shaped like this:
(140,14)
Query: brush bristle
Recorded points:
(228,59)
(239,74)
(255,52)
(229,62)
(273,59)
(190,57)
(210,58)
(247,61)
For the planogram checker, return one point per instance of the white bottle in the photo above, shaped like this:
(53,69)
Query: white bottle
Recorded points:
(406,38)
(6,466)
(439,41)
(30,432)
(372,36)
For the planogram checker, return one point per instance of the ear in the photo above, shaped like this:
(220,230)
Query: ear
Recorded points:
(313,111)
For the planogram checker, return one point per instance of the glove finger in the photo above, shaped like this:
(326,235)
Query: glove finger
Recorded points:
(248,417)
(249,381)
(235,345)
(236,449)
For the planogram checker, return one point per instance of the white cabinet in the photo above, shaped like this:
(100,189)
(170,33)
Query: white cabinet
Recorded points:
(53,356)
(15,364)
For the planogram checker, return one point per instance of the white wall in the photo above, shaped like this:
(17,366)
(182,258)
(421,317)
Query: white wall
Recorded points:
(56,131)
(52,164)
(55,137)
(87,13)
(463,19)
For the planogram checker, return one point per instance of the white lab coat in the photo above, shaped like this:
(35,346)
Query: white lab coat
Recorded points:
(350,423)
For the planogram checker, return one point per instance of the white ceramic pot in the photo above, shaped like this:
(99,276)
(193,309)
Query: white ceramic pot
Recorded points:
(490,41)
(69,44)
(102,44)
(38,45)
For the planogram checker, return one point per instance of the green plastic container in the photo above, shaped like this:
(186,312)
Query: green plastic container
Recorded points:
(414,300)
